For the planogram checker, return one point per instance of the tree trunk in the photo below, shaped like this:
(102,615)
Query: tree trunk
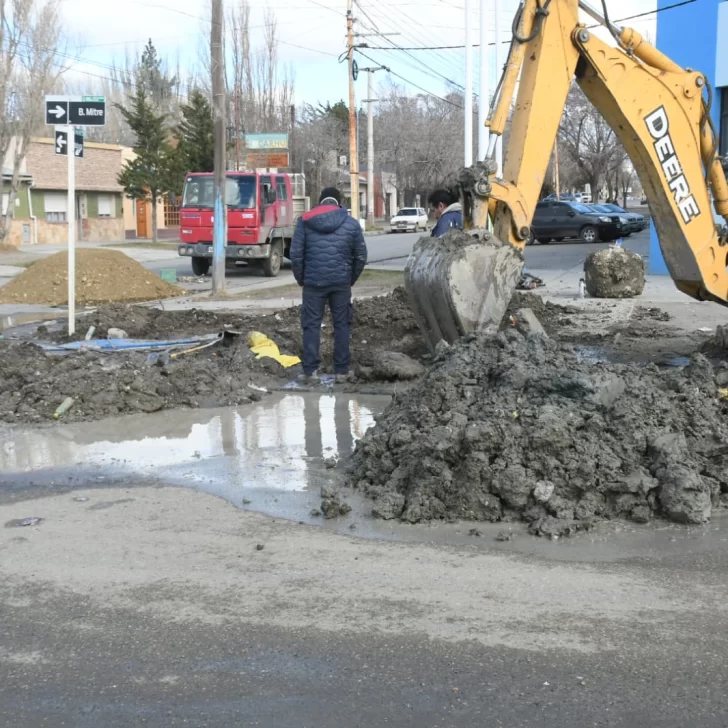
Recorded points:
(154,218)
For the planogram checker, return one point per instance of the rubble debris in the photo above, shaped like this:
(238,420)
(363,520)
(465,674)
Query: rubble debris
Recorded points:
(507,427)
(528,323)
(614,273)
(475,532)
(332,505)
(259,547)
(388,366)
(101,276)
(24,522)
(504,536)
(116,334)
(63,407)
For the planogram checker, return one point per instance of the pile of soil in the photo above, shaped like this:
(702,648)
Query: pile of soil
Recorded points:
(386,346)
(519,428)
(101,276)
(614,273)
(34,383)
(382,323)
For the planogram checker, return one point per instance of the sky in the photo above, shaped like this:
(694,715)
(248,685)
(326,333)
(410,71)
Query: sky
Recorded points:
(312,37)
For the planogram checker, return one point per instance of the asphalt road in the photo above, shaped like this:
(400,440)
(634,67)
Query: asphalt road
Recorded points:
(153,607)
(391,251)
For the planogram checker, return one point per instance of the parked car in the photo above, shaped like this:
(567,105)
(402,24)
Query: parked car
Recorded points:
(413,219)
(632,222)
(565,197)
(557,220)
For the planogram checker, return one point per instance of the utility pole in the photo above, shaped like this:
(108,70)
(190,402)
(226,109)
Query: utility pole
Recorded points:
(71,217)
(484,96)
(499,70)
(219,208)
(468,125)
(353,151)
(370,142)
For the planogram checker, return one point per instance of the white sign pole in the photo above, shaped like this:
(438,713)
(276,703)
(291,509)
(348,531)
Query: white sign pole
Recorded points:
(71,218)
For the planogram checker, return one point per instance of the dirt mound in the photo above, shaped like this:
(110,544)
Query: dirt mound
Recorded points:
(614,273)
(101,276)
(383,323)
(35,383)
(510,427)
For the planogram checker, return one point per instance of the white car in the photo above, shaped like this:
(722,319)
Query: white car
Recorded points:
(413,219)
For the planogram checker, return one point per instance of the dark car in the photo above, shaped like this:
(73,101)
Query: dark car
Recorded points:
(556,220)
(634,223)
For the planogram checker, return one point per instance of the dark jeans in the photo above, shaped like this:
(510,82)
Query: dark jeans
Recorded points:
(312,314)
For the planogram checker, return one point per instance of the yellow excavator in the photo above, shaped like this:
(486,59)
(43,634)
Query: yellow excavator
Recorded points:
(658,110)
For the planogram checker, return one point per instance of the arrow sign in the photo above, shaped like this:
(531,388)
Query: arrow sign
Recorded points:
(56,110)
(87,113)
(62,142)
(78,142)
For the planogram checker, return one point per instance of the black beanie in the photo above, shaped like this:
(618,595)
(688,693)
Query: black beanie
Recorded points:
(331,192)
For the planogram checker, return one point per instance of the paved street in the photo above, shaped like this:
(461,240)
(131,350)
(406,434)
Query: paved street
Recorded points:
(153,607)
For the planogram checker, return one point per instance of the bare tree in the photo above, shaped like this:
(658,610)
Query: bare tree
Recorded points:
(588,142)
(260,89)
(30,39)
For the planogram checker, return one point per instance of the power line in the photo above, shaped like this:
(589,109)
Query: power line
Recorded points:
(376,29)
(507,42)
(411,83)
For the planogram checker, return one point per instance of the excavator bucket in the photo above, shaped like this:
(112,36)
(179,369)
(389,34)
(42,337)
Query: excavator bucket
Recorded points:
(461,283)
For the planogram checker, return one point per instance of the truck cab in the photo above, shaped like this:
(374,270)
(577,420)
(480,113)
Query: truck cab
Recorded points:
(260,220)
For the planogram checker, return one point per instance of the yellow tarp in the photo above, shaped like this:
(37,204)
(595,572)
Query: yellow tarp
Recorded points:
(261,345)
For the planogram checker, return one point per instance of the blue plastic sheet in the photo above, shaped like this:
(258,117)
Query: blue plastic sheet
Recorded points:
(130,344)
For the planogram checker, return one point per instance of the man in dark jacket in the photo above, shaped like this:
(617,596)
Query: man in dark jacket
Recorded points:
(328,254)
(448,211)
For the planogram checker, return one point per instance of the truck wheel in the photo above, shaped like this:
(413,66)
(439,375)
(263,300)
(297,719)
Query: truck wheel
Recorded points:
(272,265)
(589,234)
(200,266)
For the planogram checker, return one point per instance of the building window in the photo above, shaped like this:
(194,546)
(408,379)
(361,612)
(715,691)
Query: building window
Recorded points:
(55,206)
(171,211)
(723,131)
(106,205)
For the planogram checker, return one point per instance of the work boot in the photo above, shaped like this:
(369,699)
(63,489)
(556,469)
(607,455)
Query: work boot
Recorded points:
(311,379)
(344,378)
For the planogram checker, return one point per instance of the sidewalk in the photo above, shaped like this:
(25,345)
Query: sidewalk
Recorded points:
(660,292)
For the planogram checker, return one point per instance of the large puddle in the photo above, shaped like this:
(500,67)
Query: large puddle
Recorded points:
(269,458)
(277,445)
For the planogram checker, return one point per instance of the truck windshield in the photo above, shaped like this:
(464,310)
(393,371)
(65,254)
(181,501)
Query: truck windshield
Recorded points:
(239,192)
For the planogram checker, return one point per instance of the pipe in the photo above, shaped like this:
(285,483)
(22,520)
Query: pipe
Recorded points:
(468,121)
(483,100)
(32,216)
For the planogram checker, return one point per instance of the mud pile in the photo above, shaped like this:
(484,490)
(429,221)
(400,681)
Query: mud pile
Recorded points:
(516,428)
(614,273)
(34,383)
(101,276)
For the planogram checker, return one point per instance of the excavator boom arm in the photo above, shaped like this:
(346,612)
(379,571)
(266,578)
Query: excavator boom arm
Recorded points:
(655,108)
(464,282)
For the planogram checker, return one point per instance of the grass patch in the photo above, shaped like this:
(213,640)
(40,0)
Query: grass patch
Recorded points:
(370,281)
(7,248)
(154,246)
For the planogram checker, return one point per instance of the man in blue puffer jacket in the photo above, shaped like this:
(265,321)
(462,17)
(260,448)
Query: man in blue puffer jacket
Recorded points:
(447,209)
(328,254)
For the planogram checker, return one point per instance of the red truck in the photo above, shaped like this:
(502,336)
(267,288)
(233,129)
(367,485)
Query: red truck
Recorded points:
(262,213)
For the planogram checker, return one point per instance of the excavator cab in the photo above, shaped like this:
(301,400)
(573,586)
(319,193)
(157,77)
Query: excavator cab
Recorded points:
(464,281)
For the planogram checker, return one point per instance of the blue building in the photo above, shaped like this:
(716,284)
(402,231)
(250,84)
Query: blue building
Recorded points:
(689,35)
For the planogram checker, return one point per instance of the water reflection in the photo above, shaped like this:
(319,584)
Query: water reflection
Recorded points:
(271,443)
